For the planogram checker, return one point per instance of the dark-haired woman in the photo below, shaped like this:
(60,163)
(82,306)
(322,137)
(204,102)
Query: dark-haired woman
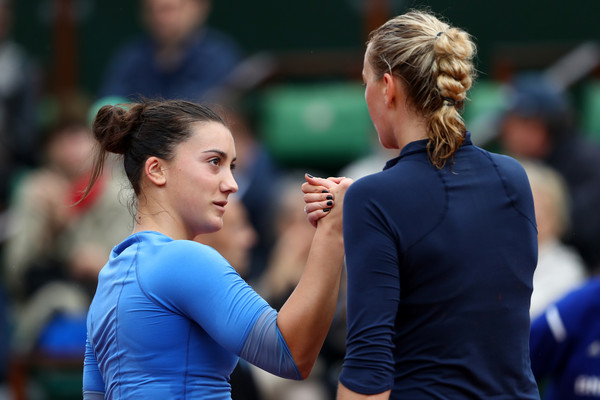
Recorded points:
(171,316)
(440,245)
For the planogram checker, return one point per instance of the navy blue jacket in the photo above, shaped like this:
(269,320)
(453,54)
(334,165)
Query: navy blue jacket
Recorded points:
(440,267)
(209,59)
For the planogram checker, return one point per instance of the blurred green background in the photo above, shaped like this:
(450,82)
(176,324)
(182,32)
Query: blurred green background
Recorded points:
(535,33)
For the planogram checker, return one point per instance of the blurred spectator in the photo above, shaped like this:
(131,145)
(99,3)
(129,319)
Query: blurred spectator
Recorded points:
(257,176)
(57,245)
(18,113)
(285,266)
(237,237)
(235,241)
(371,163)
(539,125)
(560,268)
(294,236)
(565,346)
(178,57)
(5,333)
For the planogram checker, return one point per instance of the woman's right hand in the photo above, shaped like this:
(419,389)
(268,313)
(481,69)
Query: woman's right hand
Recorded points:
(324,197)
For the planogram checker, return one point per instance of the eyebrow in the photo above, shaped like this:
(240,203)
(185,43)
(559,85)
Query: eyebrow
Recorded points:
(219,152)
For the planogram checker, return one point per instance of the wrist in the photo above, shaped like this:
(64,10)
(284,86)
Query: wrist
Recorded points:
(330,229)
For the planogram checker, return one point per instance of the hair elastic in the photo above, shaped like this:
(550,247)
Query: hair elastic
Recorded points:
(448,101)
(438,34)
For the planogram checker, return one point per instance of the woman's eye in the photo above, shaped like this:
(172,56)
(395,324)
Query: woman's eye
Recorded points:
(215,161)
(233,167)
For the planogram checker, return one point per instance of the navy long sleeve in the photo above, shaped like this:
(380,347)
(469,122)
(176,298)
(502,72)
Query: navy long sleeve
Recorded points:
(440,266)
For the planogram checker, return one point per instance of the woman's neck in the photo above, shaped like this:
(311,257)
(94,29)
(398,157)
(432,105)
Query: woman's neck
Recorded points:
(409,128)
(157,218)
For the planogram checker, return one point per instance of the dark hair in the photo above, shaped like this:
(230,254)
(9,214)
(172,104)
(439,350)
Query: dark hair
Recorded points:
(435,63)
(533,95)
(142,130)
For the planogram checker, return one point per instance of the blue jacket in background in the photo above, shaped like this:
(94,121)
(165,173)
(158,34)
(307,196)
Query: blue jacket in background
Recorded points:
(210,58)
(565,345)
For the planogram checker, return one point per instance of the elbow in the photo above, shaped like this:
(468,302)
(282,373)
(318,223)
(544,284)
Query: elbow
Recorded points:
(304,368)
(304,371)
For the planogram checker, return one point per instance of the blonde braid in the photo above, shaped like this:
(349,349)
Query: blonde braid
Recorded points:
(454,51)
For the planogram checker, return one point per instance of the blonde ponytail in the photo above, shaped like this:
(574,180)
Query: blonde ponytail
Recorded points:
(453,62)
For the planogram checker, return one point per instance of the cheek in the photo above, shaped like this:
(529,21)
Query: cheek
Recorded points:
(375,104)
(193,190)
(196,179)
(376,116)
(369,98)
(372,107)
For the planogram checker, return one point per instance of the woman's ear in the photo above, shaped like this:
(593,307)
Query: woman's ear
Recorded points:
(154,170)
(389,89)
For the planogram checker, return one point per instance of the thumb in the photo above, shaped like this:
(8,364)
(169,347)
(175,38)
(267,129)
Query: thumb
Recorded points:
(337,179)
(315,181)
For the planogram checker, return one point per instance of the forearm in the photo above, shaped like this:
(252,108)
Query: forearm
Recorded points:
(346,394)
(305,318)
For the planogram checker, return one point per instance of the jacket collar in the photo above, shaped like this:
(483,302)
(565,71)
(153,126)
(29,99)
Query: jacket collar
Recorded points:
(419,146)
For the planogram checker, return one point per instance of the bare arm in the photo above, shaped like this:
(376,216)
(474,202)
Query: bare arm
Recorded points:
(305,318)
(346,394)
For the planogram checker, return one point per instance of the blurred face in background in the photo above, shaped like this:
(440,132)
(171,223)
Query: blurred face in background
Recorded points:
(236,239)
(171,21)
(545,214)
(70,150)
(551,201)
(525,137)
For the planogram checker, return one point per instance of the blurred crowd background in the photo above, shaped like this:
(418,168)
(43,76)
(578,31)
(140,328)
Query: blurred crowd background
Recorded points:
(287,75)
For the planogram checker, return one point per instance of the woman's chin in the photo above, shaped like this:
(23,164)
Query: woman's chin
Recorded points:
(216,226)
(209,228)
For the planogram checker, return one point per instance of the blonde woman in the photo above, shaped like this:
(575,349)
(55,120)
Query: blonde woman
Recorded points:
(440,245)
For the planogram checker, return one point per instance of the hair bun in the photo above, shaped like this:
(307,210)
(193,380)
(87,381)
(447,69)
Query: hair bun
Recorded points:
(112,129)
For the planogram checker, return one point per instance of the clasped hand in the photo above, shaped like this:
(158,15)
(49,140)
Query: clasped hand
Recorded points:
(324,197)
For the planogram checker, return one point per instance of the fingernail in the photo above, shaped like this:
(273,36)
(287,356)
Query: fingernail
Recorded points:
(326,209)
(309,175)
(330,203)
(330,197)
(324,191)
